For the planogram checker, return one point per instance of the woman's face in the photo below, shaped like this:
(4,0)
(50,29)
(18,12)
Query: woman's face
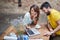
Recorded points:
(33,13)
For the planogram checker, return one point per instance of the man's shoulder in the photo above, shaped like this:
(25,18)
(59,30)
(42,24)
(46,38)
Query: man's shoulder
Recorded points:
(55,12)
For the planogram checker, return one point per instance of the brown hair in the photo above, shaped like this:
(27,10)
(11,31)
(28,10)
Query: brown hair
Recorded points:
(36,9)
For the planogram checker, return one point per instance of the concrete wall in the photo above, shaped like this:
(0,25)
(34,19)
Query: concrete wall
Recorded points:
(11,6)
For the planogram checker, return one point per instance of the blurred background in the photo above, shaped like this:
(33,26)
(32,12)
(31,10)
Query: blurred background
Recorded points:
(11,6)
(12,9)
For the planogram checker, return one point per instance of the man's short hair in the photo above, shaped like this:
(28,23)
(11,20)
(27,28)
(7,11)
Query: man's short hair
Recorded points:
(45,4)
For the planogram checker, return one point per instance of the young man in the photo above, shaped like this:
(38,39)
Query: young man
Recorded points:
(53,21)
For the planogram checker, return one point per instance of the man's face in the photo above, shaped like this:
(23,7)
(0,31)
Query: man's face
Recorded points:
(46,10)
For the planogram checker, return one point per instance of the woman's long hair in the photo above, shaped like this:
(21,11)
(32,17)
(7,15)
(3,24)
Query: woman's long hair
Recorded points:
(36,9)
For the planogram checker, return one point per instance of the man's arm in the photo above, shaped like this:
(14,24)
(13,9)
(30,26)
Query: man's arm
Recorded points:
(57,28)
(49,26)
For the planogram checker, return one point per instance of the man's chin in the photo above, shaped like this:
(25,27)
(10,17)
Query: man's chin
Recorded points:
(48,13)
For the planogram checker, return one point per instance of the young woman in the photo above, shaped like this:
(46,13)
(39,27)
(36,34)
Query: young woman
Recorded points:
(31,17)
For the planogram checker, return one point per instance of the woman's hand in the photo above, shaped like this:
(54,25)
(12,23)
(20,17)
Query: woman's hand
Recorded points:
(28,27)
(35,20)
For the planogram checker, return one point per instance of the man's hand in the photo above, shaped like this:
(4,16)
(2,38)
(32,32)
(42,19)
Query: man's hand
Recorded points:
(48,33)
